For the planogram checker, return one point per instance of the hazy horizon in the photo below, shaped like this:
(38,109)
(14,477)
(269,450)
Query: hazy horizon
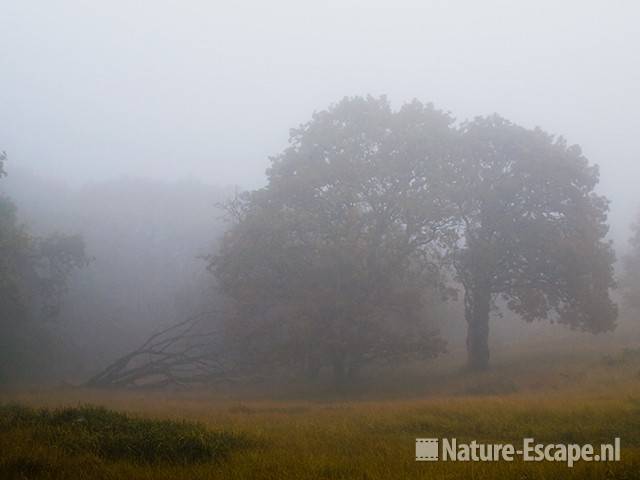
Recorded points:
(202,90)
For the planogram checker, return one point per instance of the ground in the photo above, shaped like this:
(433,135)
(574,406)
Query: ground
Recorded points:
(368,432)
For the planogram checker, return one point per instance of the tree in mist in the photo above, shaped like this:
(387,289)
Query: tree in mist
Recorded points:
(13,242)
(144,238)
(334,263)
(332,260)
(33,277)
(631,265)
(532,230)
(342,259)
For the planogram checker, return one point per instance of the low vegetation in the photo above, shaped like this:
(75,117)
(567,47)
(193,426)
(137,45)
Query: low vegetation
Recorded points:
(296,435)
(94,435)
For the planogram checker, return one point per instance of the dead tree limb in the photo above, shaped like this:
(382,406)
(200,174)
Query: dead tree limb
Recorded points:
(182,354)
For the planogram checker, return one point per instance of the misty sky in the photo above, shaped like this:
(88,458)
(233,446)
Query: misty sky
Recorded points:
(93,90)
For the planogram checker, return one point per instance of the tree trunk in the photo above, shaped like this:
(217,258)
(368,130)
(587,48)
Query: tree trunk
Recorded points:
(477,301)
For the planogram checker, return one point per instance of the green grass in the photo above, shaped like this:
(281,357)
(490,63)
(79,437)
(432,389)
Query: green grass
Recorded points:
(114,436)
(98,436)
(237,435)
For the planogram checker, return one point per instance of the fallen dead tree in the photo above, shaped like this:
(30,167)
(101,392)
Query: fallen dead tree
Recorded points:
(182,354)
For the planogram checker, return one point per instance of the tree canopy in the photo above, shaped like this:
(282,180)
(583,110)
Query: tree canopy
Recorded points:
(532,230)
(335,260)
(370,211)
(33,277)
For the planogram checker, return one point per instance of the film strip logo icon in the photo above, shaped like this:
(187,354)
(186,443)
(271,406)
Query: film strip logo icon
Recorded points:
(426,449)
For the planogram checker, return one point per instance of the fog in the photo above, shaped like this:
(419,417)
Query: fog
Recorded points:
(210,89)
(127,122)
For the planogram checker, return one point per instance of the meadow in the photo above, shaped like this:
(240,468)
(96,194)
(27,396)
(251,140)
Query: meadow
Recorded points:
(367,432)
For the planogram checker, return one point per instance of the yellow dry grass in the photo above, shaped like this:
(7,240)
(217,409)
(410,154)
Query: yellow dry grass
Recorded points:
(366,435)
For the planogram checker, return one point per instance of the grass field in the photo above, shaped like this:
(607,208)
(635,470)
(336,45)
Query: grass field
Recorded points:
(586,398)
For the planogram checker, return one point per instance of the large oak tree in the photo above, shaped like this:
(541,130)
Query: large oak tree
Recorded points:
(532,230)
(367,207)
(333,264)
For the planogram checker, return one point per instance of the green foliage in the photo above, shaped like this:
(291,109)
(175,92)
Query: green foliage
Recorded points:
(53,261)
(33,276)
(333,263)
(366,208)
(116,436)
(532,230)
(14,247)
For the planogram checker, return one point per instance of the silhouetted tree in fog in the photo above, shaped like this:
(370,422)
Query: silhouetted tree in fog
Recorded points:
(33,277)
(342,259)
(532,230)
(334,263)
(366,204)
